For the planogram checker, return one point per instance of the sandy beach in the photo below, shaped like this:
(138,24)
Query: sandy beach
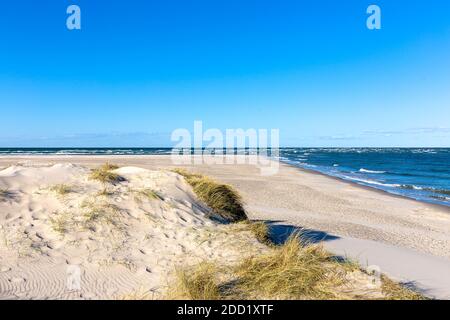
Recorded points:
(407,239)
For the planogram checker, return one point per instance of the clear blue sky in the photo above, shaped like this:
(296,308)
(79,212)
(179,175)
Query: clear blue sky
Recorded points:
(139,69)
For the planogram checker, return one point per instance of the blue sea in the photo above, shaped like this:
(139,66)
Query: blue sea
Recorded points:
(418,173)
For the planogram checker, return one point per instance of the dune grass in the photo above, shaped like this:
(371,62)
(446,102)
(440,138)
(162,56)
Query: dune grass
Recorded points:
(109,166)
(105,175)
(396,291)
(61,189)
(61,224)
(224,201)
(147,194)
(197,283)
(260,230)
(290,271)
(99,212)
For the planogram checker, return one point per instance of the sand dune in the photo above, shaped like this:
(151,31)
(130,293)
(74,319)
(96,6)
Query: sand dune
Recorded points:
(124,239)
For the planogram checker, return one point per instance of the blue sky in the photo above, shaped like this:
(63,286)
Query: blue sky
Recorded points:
(140,69)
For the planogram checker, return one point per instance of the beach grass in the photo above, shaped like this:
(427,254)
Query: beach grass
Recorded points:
(61,189)
(197,283)
(223,199)
(397,291)
(147,194)
(61,223)
(100,212)
(289,271)
(105,175)
(260,230)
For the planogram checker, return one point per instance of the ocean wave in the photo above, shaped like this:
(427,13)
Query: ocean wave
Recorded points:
(371,171)
(411,187)
(440,198)
(373,182)
(441,191)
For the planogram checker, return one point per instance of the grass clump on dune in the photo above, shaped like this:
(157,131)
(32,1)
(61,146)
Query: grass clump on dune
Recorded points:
(260,230)
(396,291)
(61,224)
(290,271)
(221,198)
(147,194)
(109,166)
(100,212)
(197,283)
(61,189)
(104,174)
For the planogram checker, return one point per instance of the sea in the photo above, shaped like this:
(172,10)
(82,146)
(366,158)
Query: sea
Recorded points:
(418,173)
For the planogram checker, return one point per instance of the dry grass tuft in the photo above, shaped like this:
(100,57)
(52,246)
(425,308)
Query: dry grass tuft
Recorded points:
(61,189)
(147,194)
(104,174)
(197,283)
(61,223)
(221,198)
(290,271)
(260,231)
(109,166)
(396,291)
(100,212)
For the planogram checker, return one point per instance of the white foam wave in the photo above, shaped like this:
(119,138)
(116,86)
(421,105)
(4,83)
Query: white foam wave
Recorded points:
(373,182)
(371,171)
